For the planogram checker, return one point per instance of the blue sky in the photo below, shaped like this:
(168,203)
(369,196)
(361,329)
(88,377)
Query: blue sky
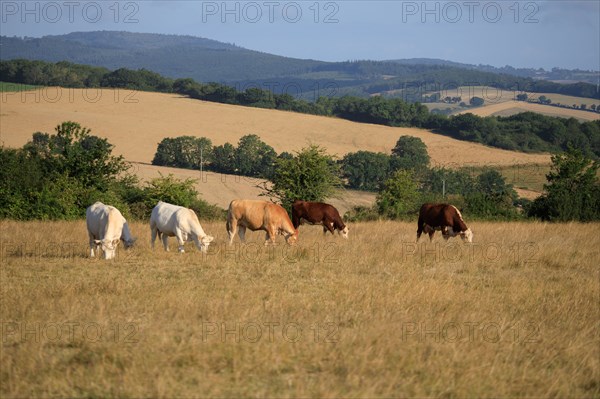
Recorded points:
(519,33)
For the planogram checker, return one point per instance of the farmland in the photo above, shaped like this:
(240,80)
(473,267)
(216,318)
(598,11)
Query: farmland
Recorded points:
(503,103)
(372,316)
(135,122)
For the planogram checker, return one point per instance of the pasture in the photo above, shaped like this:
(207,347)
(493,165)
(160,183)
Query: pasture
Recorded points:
(513,314)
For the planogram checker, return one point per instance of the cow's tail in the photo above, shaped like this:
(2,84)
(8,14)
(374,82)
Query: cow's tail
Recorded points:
(420,224)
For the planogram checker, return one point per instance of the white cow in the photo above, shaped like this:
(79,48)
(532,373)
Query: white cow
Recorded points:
(169,220)
(106,227)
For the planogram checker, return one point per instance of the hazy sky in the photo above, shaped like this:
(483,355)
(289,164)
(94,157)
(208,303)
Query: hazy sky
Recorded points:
(519,33)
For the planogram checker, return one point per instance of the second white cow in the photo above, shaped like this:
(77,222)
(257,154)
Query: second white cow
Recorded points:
(169,220)
(106,227)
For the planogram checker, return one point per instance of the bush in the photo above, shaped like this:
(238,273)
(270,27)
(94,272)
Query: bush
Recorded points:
(399,198)
(311,175)
(572,191)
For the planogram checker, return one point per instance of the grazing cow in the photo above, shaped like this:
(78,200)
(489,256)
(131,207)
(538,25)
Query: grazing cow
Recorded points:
(318,213)
(106,227)
(169,220)
(442,217)
(259,215)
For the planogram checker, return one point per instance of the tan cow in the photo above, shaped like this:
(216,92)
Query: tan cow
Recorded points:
(259,215)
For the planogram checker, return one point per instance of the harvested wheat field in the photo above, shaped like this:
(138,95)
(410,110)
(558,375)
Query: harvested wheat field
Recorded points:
(515,314)
(220,189)
(135,122)
(507,108)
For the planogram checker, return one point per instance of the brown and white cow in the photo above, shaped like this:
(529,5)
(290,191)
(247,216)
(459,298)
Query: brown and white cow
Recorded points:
(318,213)
(444,217)
(259,215)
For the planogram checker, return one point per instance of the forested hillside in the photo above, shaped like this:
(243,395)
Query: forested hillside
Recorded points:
(527,132)
(207,60)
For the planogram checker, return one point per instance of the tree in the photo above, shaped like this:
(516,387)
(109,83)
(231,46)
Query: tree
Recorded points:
(74,152)
(476,101)
(572,191)
(224,160)
(492,197)
(184,152)
(399,196)
(255,157)
(409,153)
(58,176)
(522,97)
(366,170)
(311,175)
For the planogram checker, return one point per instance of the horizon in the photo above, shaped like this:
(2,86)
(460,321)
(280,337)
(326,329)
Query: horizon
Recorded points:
(525,34)
(345,60)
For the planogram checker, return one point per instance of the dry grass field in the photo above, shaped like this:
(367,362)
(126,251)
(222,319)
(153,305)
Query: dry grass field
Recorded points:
(220,189)
(515,314)
(135,122)
(502,103)
(507,108)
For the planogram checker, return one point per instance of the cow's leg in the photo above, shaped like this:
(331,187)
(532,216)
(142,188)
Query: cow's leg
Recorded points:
(242,233)
(270,237)
(431,233)
(445,233)
(419,228)
(232,229)
(153,233)
(181,240)
(295,220)
(165,240)
(92,245)
(329,226)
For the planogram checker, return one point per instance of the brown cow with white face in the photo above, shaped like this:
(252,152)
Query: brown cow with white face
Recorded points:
(318,213)
(259,215)
(444,217)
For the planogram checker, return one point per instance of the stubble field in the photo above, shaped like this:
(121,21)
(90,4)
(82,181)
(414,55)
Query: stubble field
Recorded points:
(515,313)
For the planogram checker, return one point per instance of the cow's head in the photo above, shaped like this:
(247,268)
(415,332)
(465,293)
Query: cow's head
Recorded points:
(206,240)
(344,232)
(129,243)
(109,247)
(291,239)
(467,235)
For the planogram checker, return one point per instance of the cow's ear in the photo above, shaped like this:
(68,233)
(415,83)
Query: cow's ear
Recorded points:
(97,242)
(207,239)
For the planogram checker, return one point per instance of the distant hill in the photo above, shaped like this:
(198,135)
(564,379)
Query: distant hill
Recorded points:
(207,60)
(170,55)
(554,75)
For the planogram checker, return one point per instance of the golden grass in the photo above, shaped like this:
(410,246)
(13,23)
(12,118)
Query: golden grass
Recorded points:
(506,108)
(514,314)
(220,189)
(137,121)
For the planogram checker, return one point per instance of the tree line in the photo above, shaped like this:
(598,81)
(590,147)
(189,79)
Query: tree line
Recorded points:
(528,132)
(56,176)
(402,179)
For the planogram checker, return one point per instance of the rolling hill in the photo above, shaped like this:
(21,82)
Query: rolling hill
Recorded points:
(507,108)
(135,122)
(207,60)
